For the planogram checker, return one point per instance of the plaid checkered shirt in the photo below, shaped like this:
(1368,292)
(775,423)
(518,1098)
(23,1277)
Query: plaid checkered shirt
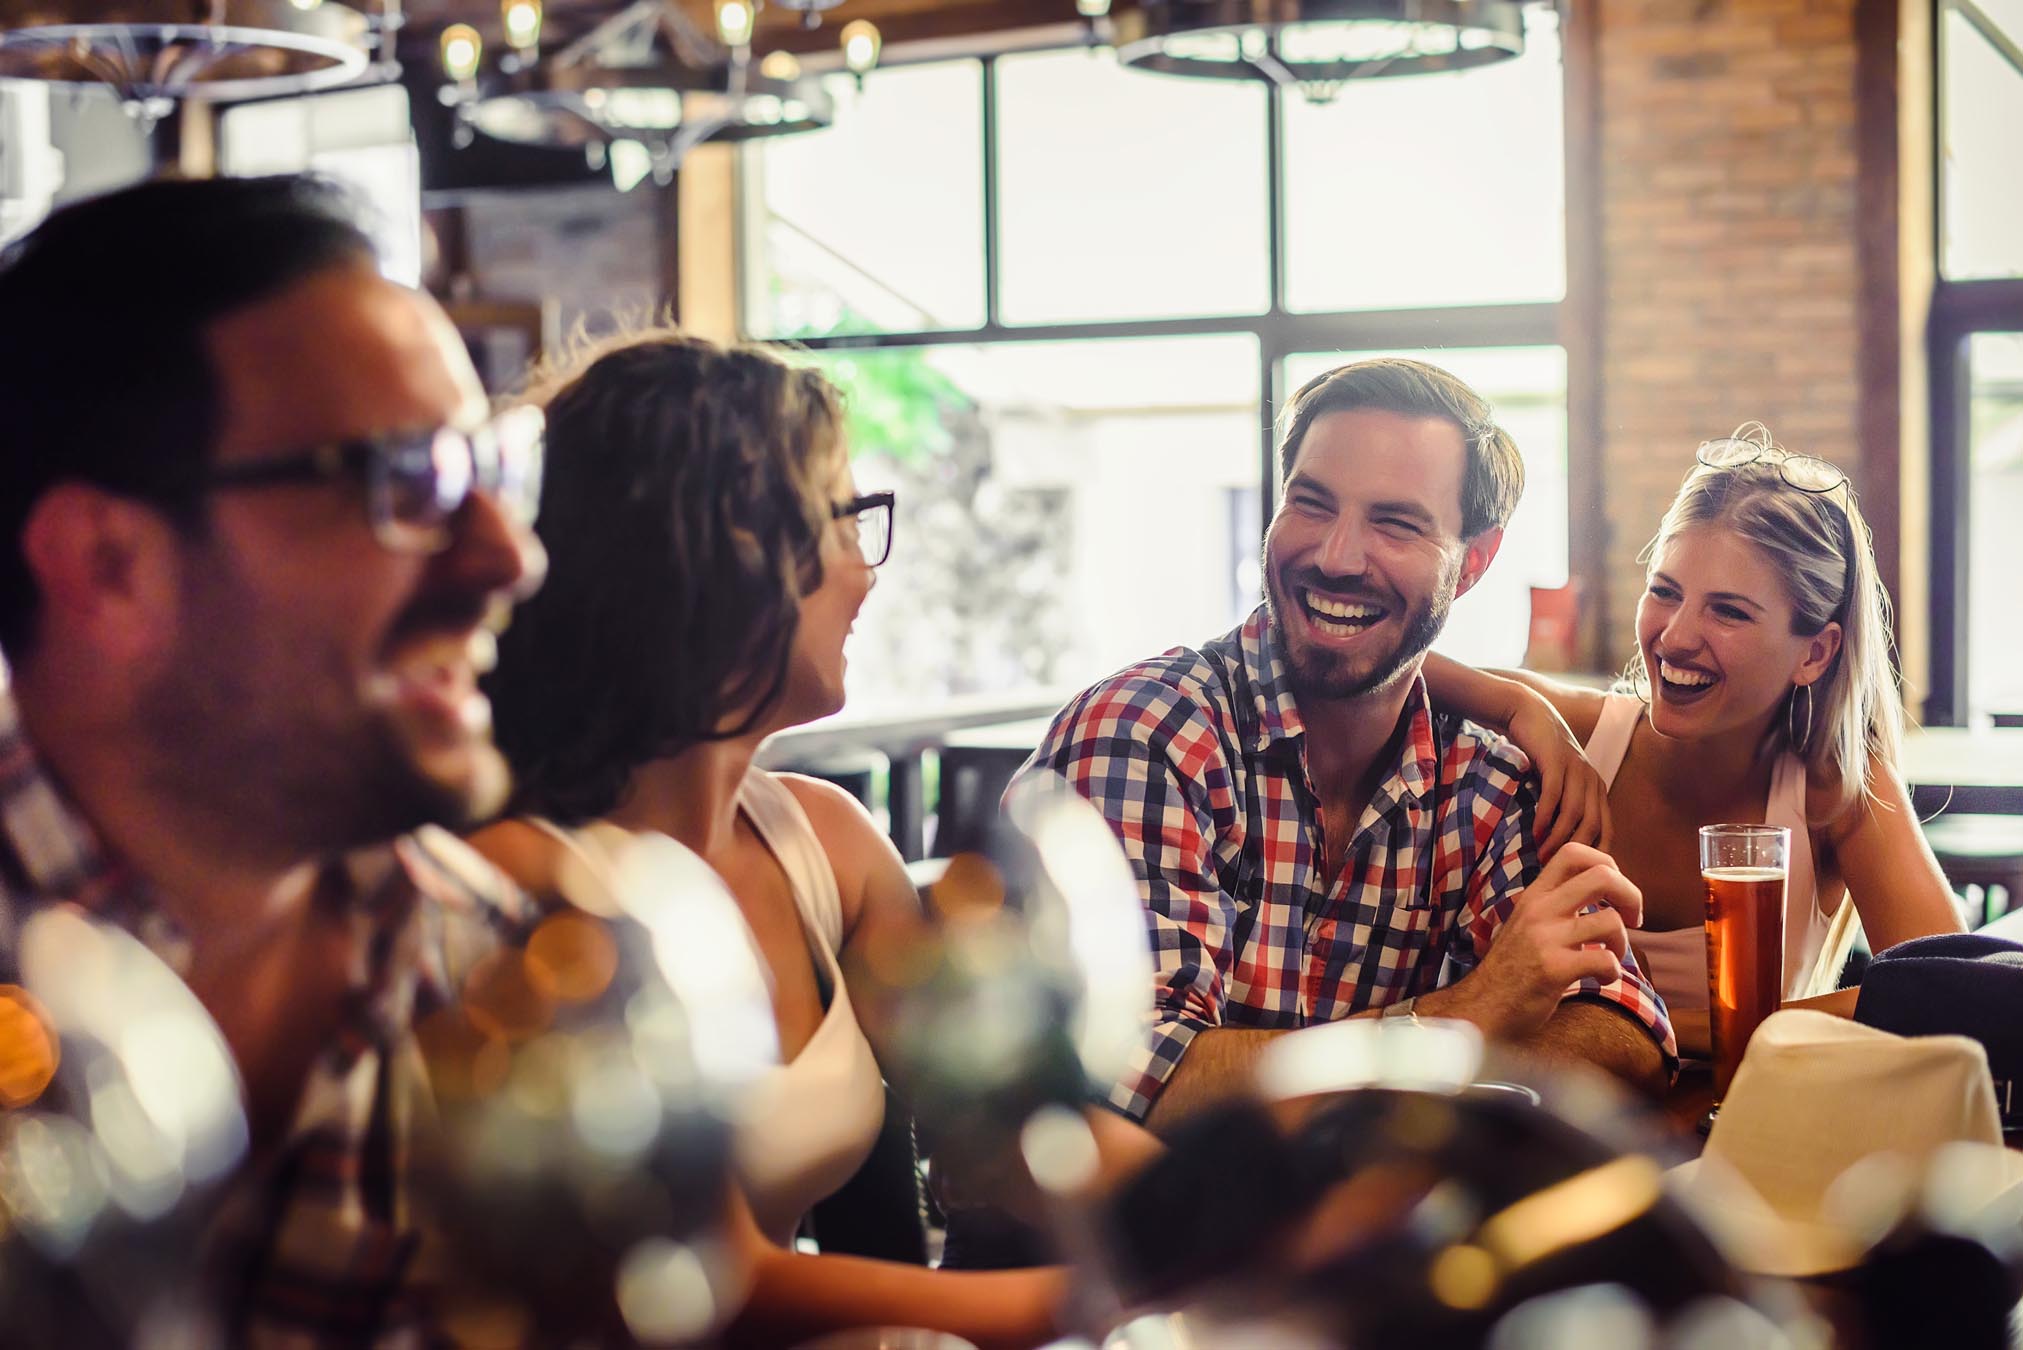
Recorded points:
(1197,760)
(316,1244)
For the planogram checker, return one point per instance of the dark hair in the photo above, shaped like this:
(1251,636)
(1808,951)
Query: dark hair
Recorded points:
(104,374)
(683,511)
(1495,475)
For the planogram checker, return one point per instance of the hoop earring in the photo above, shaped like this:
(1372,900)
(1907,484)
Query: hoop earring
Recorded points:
(1799,739)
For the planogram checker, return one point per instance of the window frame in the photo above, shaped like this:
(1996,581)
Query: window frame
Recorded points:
(1279,331)
(1960,310)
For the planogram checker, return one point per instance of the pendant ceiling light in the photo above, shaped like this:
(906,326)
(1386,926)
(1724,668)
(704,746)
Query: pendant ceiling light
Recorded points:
(152,51)
(648,77)
(1315,46)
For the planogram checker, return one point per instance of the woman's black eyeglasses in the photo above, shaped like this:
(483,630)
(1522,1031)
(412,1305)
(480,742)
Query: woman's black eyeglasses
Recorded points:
(415,483)
(1807,473)
(870,518)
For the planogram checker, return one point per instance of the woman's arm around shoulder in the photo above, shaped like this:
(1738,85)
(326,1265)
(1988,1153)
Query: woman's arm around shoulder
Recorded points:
(1549,722)
(1881,853)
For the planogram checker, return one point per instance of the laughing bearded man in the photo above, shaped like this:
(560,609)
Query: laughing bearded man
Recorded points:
(1312,840)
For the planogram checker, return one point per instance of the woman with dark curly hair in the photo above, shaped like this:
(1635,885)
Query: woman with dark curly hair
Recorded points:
(708,552)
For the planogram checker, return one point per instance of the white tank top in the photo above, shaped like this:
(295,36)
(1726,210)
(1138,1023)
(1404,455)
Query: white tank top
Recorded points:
(804,1128)
(1815,943)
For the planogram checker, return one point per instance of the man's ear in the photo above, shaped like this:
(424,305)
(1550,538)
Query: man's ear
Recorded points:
(1481,552)
(104,565)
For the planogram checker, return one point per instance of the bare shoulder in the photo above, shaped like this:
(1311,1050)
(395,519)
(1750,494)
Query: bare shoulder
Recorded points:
(870,876)
(1885,803)
(529,855)
(855,845)
(836,815)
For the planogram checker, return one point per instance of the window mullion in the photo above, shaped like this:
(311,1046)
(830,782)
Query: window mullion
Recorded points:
(992,261)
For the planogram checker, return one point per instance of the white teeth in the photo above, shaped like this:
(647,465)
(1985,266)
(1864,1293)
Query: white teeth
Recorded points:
(478,652)
(1672,674)
(1340,610)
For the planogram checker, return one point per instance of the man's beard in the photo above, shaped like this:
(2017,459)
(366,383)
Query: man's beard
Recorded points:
(1321,674)
(238,735)
(303,788)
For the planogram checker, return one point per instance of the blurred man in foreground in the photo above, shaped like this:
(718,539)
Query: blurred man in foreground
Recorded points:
(255,530)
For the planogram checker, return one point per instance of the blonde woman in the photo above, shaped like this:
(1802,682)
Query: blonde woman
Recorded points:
(1762,689)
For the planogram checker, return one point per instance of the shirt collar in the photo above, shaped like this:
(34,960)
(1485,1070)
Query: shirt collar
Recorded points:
(58,853)
(1278,716)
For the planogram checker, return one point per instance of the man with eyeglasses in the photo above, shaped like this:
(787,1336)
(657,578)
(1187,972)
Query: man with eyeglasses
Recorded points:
(258,535)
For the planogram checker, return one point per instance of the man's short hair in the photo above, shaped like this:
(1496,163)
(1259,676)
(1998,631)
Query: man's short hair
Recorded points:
(1494,478)
(104,374)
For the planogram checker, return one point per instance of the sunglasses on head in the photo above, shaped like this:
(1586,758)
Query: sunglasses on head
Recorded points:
(1807,473)
(417,482)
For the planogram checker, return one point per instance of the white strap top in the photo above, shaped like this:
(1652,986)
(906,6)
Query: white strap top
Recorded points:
(806,1127)
(1675,962)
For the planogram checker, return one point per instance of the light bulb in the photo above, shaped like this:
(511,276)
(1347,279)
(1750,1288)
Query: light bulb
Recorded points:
(734,22)
(523,23)
(1092,9)
(860,45)
(780,66)
(462,49)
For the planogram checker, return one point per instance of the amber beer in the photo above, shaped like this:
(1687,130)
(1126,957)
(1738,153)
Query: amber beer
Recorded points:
(1743,868)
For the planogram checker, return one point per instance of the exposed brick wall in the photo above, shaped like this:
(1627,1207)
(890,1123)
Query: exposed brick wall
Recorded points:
(1731,279)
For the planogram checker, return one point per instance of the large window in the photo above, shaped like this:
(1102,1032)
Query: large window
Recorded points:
(1065,297)
(1067,507)
(1981,131)
(1995,452)
(1977,364)
(1126,196)
(907,253)
(1442,177)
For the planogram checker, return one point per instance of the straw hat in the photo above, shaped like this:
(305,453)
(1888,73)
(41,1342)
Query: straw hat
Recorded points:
(1815,1096)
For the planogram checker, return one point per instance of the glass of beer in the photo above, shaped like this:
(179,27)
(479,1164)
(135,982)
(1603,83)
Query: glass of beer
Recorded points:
(1743,868)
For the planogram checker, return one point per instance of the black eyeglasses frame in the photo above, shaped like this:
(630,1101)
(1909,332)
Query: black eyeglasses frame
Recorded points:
(856,508)
(488,452)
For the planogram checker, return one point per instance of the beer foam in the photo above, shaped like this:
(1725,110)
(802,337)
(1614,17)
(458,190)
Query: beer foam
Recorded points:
(1743,873)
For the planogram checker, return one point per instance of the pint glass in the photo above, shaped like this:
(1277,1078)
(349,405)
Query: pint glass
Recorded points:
(1743,868)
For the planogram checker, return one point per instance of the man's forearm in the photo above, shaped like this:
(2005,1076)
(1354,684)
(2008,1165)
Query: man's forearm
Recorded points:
(1601,1036)
(1218,1064)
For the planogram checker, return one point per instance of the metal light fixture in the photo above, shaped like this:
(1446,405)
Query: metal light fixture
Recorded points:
(811,10)
(463,50)
(861,45)
(522,20)
(734,22)
(150,52)
(646,81)
(1315,46)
